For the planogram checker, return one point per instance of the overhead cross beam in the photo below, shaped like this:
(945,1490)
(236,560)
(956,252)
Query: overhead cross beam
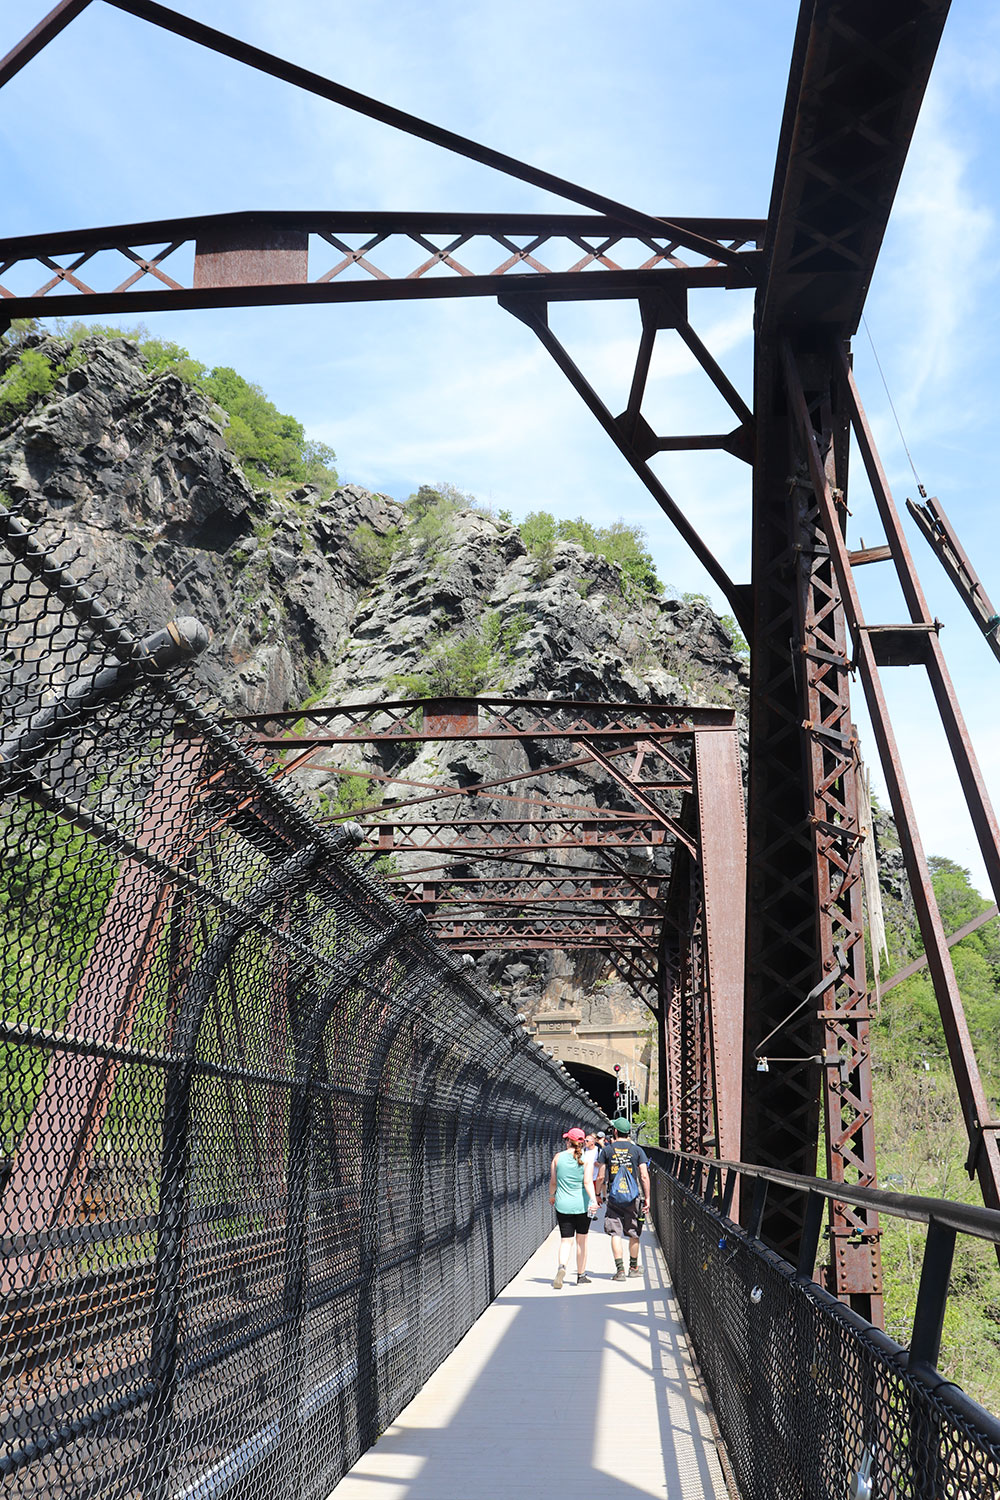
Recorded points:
(262,258)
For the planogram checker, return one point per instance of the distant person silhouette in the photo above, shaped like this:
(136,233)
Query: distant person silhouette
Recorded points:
(571,1191)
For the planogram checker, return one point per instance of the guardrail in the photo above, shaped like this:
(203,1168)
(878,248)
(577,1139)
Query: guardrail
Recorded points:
(812,1401)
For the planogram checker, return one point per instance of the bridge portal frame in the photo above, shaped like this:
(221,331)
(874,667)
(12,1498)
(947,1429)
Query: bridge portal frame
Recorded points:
(856,82)
(679,943)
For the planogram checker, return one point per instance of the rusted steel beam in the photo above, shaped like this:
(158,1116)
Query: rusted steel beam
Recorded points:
(376,109)
(856,83)
(46,30)
(857,77)
(555,887)
(530,308)
(419,737)
(372,222)
(52,1161)
(950,553)
(722,848)
(970,776)
(984,1149)
(648,804)
(715,372)
(439,868)
(559,286)
(472,789)
(267,258)
(469,718)
(454,838)
(839,998)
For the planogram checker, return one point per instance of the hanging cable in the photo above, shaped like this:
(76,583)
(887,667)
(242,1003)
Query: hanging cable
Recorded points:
(885,383)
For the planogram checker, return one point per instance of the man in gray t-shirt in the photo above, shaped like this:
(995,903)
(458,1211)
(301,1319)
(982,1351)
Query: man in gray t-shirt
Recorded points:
(625,1167)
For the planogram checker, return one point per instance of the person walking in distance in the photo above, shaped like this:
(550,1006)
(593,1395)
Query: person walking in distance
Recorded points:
(571,1191)
(625,1167)
(590,1150)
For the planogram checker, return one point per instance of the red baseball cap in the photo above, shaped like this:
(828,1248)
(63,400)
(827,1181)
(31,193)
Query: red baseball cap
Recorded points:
(576,1134)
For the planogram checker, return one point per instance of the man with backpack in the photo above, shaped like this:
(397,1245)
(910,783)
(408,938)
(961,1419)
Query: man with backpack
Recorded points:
(625,1167)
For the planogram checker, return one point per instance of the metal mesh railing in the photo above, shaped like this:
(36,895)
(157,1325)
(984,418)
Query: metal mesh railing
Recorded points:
(267,1150)
(811,1400)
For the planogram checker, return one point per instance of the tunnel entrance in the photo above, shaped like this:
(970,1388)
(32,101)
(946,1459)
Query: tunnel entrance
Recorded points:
(599,1085)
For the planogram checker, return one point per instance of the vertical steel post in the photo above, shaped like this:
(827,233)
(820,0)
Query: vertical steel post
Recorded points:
(984,1155)
(805,908)
(780,1125)
(722,843)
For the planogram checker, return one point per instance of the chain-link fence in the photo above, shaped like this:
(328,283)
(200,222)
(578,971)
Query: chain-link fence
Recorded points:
(812,1402)
(267,1150)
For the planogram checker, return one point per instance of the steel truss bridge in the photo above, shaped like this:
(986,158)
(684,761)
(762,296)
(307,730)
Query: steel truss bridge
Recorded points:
(221,967)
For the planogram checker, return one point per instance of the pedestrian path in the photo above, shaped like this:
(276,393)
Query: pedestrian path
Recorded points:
(587,1392)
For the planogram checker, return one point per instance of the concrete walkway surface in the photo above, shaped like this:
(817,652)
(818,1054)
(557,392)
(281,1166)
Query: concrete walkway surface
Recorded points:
(586,1393)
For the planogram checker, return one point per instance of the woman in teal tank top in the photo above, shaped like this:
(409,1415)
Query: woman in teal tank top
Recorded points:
(571,1192)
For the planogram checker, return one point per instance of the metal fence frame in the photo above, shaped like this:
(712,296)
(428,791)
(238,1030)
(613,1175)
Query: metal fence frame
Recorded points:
(811,1399)
(271,1148)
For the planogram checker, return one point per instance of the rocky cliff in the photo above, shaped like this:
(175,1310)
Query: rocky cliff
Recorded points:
(343,596)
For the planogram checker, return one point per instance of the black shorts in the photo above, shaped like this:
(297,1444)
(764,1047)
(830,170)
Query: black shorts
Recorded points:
(570,1224)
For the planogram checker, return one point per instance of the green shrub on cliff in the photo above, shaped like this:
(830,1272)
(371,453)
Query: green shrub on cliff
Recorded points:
(620,543)
(464,666)
(271,446)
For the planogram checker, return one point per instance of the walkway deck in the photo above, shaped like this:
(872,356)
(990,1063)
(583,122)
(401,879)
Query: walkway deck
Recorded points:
(586,1393)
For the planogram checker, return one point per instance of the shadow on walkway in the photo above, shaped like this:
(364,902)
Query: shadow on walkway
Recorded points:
(587,1391)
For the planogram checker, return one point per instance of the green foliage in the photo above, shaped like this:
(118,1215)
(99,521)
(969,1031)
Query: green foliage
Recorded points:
(740,643)
(431,497)
(54,885)
(647,1123)
(463,666)
(538,532)
(432,513)
(270,445)
(354,792)
(620,543)
(910,1024)
(921,1140)
(318,460)
(267,443)
(374,550)
(20,329)
(31,377)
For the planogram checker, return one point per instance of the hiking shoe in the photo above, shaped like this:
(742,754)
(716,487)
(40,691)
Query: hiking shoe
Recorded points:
(635,1270)
(618,1276)
(583,1279)
(560,1274)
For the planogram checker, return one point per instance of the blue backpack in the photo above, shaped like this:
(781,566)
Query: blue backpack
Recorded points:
(623,1187)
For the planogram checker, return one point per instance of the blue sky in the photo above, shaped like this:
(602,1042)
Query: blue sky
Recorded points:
(671,107)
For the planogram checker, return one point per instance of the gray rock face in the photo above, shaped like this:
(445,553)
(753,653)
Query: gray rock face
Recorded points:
(133,472)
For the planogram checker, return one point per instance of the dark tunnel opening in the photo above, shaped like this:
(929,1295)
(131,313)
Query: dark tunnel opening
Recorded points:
(599,1085)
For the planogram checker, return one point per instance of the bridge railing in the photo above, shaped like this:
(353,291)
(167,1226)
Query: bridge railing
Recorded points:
(268,1150)
(811,1400)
